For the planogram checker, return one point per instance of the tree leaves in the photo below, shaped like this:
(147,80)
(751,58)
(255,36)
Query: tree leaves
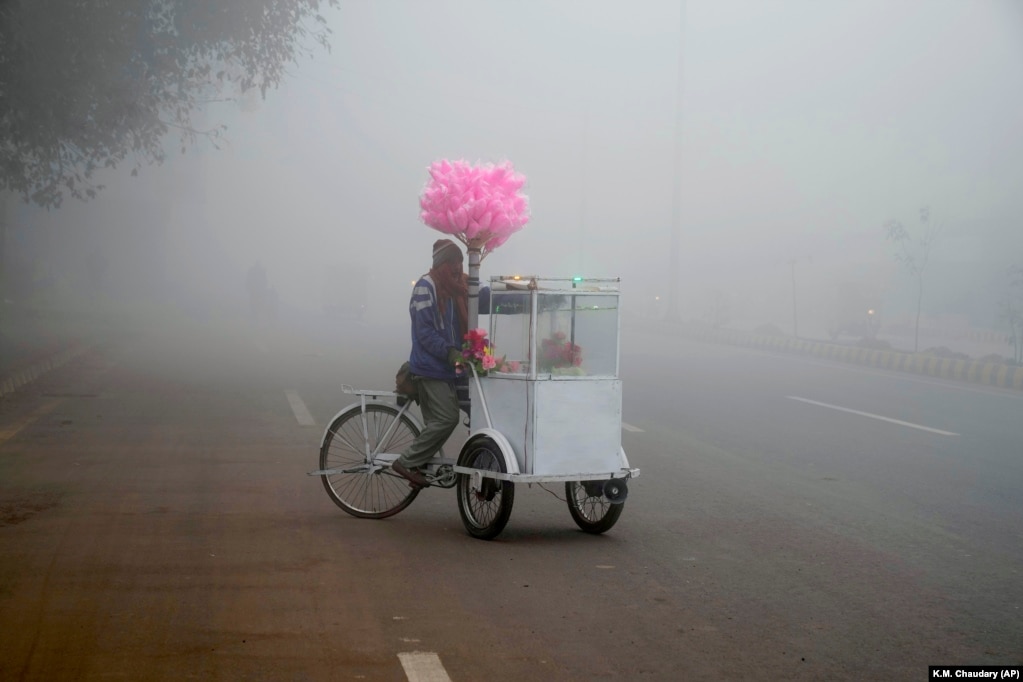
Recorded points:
(85,84)
(913,250)
(913,253)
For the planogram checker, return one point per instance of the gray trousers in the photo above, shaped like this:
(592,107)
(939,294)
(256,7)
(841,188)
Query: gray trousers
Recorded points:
(439,404)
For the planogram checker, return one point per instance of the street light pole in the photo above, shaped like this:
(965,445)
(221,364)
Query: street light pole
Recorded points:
(582,192)
(795,320)
(674,244)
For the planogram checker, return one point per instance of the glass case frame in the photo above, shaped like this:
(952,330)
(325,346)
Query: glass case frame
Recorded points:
(577,293)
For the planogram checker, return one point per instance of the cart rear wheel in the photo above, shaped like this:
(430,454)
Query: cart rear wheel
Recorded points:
(590,510)
(484,504)
(362,488)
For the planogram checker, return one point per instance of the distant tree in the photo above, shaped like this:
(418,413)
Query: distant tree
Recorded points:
(717,309)
(913,252)
(1011,309)
(84,84)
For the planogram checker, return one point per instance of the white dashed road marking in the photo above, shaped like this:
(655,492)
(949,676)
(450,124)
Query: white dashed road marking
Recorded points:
(630,427)
(874,416)
(299,408)
(423,666)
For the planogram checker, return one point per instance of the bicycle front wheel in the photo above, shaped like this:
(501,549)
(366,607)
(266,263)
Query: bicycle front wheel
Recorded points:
(485,504)
(360,487)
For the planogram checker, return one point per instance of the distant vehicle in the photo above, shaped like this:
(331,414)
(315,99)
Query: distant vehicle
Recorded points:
(864,326)
(854,311)
(346,291)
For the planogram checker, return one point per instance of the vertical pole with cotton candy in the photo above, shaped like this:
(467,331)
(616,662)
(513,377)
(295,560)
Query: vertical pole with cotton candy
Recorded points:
(480,204)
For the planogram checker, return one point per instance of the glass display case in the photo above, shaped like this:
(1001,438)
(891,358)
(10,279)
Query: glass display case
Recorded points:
(555,329)
(557,396)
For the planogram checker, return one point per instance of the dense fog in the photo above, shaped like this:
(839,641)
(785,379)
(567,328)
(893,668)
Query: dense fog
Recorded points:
(800,127)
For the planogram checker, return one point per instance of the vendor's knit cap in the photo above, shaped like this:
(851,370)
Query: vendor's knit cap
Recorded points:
(445,250)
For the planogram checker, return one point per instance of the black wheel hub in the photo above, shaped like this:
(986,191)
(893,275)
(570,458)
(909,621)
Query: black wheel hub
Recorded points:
(488,489)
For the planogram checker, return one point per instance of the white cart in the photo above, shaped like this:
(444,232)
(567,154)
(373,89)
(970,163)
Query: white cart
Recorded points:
(554,415)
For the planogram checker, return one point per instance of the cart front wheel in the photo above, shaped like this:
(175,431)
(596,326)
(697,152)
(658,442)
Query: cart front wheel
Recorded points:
(365,489)
(484,504)
(590,509)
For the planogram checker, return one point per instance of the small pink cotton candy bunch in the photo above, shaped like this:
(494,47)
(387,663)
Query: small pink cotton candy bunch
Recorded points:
(481,205)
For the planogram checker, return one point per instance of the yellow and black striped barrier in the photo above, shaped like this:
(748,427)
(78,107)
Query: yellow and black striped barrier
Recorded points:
(999,374)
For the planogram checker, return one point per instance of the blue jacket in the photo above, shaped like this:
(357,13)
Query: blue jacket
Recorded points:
(433,334)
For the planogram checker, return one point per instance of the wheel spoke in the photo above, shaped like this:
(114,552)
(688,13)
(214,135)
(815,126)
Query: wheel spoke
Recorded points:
(345,442)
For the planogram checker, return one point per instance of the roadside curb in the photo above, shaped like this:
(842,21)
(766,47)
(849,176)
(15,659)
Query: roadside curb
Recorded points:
(16,379)
(999,375)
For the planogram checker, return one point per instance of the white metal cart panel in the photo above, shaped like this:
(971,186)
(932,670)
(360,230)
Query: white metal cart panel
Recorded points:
(576,426)
(556,426)
(506,401)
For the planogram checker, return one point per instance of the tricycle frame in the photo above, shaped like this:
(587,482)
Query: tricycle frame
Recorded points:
(487,466)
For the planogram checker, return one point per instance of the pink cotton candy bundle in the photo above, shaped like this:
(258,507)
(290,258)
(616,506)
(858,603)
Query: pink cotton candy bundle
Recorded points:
(480,204)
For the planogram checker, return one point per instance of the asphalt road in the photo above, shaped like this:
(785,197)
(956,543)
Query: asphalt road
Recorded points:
(793,520)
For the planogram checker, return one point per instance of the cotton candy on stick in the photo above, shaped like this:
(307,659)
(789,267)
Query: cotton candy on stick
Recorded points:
(479,204)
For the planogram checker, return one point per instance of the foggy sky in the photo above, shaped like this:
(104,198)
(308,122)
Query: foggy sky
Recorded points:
(804,127)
